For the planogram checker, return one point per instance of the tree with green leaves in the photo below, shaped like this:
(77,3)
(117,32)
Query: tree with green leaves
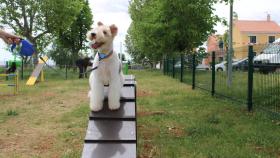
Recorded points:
(71,41)
(38,21)
(131,47)
(168,27)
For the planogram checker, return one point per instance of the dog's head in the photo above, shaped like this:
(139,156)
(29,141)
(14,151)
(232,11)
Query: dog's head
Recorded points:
(102,36)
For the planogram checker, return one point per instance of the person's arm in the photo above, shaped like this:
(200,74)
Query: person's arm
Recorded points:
(7,37)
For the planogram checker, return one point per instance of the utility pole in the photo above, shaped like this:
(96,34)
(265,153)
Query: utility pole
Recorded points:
(121,51)
(229,72)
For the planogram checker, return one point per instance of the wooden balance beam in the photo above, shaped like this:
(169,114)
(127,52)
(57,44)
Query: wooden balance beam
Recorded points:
(113,134)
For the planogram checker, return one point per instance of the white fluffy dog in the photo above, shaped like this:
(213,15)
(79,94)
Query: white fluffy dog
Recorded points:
(108,68)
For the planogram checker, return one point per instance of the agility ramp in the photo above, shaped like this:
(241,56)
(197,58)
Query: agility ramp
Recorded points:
(36,72)
(112,134)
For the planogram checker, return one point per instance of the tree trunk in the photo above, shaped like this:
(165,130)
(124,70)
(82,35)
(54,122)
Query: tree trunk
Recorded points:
(35,55)
(151,64)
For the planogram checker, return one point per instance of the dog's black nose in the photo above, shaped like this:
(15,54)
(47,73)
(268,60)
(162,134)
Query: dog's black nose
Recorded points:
(93,34)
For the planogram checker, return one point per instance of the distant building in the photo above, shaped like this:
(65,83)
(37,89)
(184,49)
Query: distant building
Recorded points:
(215,43)
(259,33)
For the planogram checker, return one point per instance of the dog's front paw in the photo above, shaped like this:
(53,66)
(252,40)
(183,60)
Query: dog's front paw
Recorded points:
(89,93)
(95,108)
(114,106)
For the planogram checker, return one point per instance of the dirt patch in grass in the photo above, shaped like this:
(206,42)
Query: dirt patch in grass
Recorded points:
(49,94)
(44,144)
(263,149)
(176,131)
(144,93)
(149,149)
(6,96)
(3,145)
(150,113)
(34,132)
(25,140)
(19,142)
(148,132)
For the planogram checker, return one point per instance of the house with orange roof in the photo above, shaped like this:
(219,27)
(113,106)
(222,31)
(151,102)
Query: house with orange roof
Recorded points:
(215,43)
(259,33)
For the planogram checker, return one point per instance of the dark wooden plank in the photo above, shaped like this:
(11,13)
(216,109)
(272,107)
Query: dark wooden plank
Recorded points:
(111,131)
(109,150)
(127,83)
(127,93)
(126,112)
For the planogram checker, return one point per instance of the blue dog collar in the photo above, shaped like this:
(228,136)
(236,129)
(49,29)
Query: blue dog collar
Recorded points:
(104,56)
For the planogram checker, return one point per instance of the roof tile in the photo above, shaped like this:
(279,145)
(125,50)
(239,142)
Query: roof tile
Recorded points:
(257,26)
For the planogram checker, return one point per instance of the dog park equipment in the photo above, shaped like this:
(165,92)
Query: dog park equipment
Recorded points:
(15,84)
(125,67)
(10,62)
(38,70)
(112,134)
(26,48)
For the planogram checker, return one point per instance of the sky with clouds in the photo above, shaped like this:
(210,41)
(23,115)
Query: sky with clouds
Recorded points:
(116,12)
(249,10)
(112,12)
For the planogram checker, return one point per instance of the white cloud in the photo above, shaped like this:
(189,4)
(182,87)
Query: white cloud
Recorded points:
(101,6)
(116,12)
(5,55)
(249,10)
(113,12)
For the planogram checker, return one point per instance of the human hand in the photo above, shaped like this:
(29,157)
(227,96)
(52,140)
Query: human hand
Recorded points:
(9,38)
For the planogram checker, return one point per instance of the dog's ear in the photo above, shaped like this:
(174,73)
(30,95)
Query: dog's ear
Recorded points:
(99,23)
(114,29)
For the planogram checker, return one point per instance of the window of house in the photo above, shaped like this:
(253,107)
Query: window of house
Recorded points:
(271,39)
(253,39)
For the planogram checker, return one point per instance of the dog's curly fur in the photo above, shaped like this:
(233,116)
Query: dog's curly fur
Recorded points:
(108,71)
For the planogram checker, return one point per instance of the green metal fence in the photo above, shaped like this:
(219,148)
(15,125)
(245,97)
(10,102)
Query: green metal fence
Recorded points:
(255,81)
(51,72)
(266,79)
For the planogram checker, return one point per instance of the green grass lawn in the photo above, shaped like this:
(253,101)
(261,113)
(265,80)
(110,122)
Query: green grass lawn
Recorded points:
(50,120)
(175,121)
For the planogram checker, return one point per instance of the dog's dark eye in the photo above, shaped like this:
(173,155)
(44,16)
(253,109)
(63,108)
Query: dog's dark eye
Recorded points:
(105,33)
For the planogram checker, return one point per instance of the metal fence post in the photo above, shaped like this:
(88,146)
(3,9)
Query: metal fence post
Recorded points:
(167,67)
(163,63)
(66,72)
(173,67)
(250,78)
(22,69)
(182,68)
(164,66)
(213,72)
(193,71)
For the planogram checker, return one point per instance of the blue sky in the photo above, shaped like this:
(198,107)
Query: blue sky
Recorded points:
(116,12)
